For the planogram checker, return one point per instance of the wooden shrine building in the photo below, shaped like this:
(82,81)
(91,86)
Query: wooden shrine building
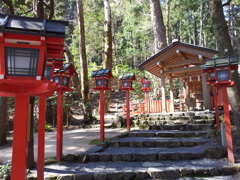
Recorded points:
(182,61)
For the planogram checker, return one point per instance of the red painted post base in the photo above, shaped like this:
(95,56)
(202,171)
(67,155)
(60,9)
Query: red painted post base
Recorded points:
(146,101)
(128,123)
(101,103)
(59,125)
(228,125)
(216,107)
(19,154)
(41,138)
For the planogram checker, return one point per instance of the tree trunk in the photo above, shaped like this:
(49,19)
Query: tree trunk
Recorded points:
(83,63)
(158,26)
(30,163)
(220,28)
(10,6)
(51,8)
(234,32)
(108,51)
(195,30)
(168,21)
(3,120)
(51,109)
(76,81)
(225,49)
(201,25)
(40,9)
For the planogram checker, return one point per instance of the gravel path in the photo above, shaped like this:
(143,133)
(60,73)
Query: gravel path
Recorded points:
(74,141)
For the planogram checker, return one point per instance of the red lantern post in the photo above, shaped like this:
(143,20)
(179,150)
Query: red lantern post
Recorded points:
(146,87)
(207,68)
(219,70)
(25,43)
(62,78)
(127,80)
(48,74)
(101,78)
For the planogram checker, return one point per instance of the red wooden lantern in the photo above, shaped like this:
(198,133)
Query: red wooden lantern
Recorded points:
(222,68)
(101,79)
(25,44)
(127,80)
(145,84)
(146,87)
(62,76)
(219,70)
(51,65)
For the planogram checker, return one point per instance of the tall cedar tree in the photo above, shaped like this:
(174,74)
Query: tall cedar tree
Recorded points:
(83,63)
(225,49)
(75,80)
(160,41)
(108,49)
(158,26)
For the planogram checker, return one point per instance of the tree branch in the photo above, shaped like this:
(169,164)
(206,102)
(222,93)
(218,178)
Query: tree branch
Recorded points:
(27,11)
(10,6)
(45,4)
(227,3)
(51,13)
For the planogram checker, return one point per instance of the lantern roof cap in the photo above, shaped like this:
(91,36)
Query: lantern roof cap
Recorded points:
(220,62)
(32,26)
(144,79)
(127,76)
(67,68)
(102,72)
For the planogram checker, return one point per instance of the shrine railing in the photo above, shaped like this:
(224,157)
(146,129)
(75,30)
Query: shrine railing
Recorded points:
(153,106)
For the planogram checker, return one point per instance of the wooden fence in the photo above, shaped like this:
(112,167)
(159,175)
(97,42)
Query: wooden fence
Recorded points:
(153,106)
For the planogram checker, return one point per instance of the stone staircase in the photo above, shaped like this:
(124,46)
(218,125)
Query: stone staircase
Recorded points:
(170,151)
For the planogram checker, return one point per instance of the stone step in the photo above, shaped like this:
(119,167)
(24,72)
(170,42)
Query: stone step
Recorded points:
(187,127)
(139,142)
(167,133)
(138,170)
(148,154)
(175,121)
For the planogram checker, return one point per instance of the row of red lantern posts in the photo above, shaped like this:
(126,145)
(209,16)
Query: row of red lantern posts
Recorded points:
(101,78)
(30,65)
(219,72)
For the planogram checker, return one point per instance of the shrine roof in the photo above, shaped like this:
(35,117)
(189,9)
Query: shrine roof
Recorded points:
(178,60)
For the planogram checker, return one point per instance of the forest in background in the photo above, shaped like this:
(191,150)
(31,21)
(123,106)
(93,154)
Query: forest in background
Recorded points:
(131,35)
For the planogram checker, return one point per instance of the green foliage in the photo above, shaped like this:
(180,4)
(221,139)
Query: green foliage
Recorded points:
(48,127)
(5,170)
(97,141)
(133,31)
(123,69)
(93,19)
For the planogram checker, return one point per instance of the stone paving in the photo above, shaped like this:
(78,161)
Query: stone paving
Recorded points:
(74,141)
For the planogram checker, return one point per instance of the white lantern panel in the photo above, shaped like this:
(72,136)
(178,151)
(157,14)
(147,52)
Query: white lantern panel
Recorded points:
(21,61)
(223,75)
